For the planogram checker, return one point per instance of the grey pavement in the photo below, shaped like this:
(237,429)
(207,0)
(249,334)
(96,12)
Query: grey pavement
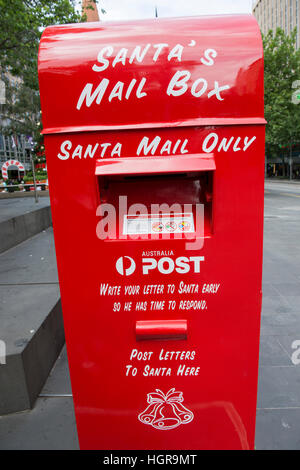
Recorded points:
(28,288)
(31,262)
(278,406)
(51,424)
(31,320)
(21,218)
(13,207)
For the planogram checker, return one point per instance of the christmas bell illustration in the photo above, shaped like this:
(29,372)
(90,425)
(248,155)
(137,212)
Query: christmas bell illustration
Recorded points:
(165,411)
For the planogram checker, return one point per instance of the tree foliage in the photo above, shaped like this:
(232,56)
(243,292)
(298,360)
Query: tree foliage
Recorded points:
(21,25)
(282,69)
(21,112)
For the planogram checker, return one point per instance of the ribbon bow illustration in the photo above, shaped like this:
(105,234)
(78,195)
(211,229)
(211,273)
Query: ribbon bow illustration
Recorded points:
(165,411)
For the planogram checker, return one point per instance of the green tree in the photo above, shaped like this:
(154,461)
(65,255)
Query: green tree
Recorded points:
(282,69)
(21,111)
(21,26)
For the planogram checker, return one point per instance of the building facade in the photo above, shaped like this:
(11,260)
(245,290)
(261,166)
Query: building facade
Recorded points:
(89,8)
(17,147)
(273,14)
(12,147)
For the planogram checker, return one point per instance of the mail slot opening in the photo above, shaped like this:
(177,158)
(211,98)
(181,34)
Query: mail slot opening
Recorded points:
(159,204)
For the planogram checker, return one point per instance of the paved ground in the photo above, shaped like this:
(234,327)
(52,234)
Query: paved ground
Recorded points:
(28,288)
(14,207)
(278,413)
(51,424)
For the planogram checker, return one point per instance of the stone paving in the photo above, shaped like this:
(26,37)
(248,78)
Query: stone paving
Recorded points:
(51,424)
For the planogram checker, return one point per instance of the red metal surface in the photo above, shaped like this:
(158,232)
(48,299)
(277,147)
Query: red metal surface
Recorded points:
(217,51)
(146,165)
(200,392)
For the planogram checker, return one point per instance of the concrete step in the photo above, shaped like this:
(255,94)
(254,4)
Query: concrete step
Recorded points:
(21,218)
(22,194)
(31,325)
(51,424)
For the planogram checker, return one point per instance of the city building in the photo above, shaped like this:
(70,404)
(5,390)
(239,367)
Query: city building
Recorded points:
(272,14)
(89,8)
(17,147)
(12,147)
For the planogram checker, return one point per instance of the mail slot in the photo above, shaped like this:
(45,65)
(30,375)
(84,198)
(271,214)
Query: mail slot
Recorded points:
(180,182)
(161,329)
(155,155)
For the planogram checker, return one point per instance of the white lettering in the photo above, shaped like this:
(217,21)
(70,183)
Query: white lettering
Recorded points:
(106,50)
(216,91)
(209,149)
(149,263)
(183,149)
(248,142)
(130,88)
(139,92)
(235,147)
(64,155)
(116,91)
(117,150)
(143,146)
(166,147)
(138,54)
(176,52)
(223,144)
(159,48)
(194,86)
(104,147)
(178,80)
(97,95)
(182,265)
(120,57)
(209,55)
(89,152)
(77,152)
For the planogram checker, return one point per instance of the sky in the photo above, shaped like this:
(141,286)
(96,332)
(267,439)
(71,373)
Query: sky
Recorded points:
(134,9)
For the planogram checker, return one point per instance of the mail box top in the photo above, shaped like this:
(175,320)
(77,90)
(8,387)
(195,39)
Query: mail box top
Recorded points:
(151,73)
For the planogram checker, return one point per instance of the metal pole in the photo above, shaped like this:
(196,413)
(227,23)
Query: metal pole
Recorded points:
(33,173)
(291,161)
(266,163)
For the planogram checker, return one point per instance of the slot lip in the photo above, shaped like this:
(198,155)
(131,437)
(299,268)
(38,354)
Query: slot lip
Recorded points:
(163,164)
(161,329)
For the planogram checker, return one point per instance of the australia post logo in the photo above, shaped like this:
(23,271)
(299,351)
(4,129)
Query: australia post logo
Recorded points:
(125,265)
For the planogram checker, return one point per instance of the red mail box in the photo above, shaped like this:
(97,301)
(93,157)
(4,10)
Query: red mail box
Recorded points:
(154,136)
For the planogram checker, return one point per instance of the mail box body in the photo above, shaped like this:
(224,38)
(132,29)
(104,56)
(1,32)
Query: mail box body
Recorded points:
(162,330)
